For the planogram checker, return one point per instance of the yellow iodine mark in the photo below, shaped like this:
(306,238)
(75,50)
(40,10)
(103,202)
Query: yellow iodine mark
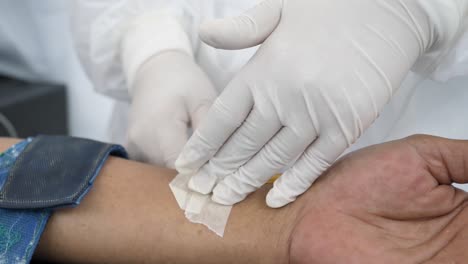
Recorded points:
(273,179)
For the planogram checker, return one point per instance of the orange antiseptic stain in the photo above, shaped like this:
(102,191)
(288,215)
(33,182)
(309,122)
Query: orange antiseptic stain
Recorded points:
(274,178)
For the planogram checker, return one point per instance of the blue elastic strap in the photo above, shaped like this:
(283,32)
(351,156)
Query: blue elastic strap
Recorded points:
(55,171)
(20,230)
(37,175)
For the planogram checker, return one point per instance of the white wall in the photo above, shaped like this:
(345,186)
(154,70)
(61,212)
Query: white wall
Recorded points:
(89,112)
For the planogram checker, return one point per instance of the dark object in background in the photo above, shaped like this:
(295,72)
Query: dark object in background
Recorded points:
(28,109)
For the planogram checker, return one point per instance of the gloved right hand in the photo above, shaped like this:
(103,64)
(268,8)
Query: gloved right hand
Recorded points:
(323,73)
(170,93)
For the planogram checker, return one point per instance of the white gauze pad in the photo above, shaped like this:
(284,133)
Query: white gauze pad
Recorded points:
(199,208)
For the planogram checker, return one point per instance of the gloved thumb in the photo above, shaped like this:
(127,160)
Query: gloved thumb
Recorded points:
(244,31)
(151,142)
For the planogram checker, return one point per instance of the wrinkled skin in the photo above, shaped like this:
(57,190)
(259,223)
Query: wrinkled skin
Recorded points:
(391,203)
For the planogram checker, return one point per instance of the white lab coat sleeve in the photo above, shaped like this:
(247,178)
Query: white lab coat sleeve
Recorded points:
(448,57)
(455,63)
(113,38)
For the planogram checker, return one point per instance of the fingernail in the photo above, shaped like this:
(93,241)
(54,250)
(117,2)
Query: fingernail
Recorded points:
(276,199)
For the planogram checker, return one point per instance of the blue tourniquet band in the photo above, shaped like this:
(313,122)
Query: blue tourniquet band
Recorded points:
(55,171)
(38,175)
(20,230)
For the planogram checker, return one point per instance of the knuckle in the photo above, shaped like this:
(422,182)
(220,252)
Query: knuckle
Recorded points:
(317,161)
(304,133)
(418,138)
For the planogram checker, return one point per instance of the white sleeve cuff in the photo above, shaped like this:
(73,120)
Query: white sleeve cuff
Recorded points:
(448,18)
(147,36)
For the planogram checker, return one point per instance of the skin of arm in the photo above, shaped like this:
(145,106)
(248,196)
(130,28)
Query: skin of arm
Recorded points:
(131,216)
(390,203)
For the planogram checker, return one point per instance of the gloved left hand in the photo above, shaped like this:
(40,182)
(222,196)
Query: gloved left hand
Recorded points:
(170,93)
(324,72)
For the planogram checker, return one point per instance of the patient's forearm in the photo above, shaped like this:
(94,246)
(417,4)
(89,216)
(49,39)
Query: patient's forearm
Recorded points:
(130,216)
(391,202)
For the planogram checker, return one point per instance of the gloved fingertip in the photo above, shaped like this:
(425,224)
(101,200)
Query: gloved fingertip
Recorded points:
(206,32)
(275,199)
(181,168)
(194,154)
(224,195)
(202,183)
(183,165)
(170,164)
(219,200)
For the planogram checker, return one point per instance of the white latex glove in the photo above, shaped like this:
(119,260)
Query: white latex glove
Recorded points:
(323,73)
(170,93)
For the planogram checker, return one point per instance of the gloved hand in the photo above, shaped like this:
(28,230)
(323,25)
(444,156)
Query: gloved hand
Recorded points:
(170,93)
(323,73)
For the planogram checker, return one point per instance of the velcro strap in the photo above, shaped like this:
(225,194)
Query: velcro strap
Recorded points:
(55,171)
